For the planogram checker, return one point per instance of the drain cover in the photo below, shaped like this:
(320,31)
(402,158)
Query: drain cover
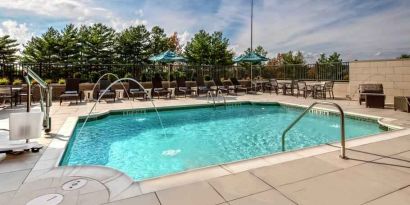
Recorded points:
(74,184)
(48,199)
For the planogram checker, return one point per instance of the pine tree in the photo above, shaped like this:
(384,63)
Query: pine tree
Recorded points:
(8,49)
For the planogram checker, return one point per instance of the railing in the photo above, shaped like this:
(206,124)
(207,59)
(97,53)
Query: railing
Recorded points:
(210,94)
(342,126)
(144,72)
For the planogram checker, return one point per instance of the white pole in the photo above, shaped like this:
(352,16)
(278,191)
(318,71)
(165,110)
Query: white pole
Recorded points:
(251,39)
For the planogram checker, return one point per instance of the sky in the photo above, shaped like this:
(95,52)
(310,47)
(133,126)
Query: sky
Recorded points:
(358,29)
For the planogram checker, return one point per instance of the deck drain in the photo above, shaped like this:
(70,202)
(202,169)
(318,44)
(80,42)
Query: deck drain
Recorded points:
(47,199)
(74,184)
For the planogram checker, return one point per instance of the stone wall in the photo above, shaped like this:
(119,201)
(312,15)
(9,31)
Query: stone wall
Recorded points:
(393,74)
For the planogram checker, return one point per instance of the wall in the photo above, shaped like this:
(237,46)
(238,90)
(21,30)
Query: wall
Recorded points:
(393,74)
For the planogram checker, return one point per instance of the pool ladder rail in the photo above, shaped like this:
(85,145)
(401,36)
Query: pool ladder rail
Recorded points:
(342,126)
(210,94)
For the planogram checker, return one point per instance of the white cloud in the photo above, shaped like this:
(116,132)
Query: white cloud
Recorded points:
(184,38)
(20,32)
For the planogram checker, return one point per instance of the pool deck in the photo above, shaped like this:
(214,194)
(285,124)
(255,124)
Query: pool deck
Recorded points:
(377,171)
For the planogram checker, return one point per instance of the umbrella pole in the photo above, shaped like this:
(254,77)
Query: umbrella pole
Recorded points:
(169,76)
(251,77)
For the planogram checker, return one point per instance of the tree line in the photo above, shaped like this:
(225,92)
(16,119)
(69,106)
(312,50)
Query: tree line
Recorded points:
(100,44)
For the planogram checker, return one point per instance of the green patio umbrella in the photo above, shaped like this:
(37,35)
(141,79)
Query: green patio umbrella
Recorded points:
(167,57)
(252,58)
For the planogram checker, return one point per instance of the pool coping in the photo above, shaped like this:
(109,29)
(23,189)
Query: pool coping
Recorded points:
(53,154)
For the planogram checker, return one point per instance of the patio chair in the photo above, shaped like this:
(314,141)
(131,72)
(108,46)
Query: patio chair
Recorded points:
(238,86)
(220,86)
(157,88)
(319,91)
(372,94)
(72,90)
(6,93)
(329,88)
(24,93)
(104,84)
(273,85)
(181,87)
(303,88)
(402,103)
(290,88)
(201,87)
(135,90)
(22,127)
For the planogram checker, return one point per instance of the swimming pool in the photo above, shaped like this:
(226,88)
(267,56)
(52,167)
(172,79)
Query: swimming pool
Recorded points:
(198,137)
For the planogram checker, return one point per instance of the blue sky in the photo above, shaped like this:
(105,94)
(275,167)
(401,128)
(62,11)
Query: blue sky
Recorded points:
(358,29)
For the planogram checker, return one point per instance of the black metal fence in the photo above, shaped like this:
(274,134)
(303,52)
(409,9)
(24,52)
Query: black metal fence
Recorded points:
(90,73)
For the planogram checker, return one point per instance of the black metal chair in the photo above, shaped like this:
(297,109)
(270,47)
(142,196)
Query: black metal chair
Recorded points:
(6,93)
(303,88)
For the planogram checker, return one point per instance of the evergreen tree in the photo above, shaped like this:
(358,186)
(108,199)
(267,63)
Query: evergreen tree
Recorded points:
(98,47)
(8,49)
(158,41)
(44,49)
(198,49)
(69,45)
(132,45)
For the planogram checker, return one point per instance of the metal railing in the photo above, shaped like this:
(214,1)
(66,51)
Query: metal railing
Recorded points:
(210,94)
(144,72)
(342,126)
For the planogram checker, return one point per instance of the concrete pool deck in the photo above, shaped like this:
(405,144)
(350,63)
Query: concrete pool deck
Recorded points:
(311,177)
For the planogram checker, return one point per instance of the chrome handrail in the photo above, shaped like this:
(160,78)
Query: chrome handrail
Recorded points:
(219,93)
(342,126)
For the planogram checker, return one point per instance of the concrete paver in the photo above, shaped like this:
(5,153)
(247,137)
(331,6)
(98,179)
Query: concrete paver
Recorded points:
(238,185)
(270,197)
(198,193)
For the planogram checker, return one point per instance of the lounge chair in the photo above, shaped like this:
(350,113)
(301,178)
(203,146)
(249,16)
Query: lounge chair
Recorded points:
(220,86)
(181,87)
(22,127)
(72,90)
(238,86)
(157,88)
(136,90)
(104,84)
(201,87)
(372,94)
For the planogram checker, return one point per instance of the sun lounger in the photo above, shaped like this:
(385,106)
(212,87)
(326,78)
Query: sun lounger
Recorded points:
(157,88)
(181,87)
(238,86)
(104,84)
(72,90)
(136,90)
(201,87)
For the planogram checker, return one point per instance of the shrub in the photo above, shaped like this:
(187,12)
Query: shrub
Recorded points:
(84,78)
(61,81)
(94,75)
(128,75)
(17,82)
(77,75)
(4,81)
(207,78)
(48,81)
(33,82)
(111,78)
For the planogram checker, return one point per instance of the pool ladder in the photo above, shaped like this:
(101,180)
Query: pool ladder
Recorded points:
(342,126)
(210,94)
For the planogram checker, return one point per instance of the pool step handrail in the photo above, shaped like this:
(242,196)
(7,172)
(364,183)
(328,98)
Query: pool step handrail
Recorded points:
(218,93)
(342,126)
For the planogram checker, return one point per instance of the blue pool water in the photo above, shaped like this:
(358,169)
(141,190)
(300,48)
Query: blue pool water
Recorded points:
(200,137)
